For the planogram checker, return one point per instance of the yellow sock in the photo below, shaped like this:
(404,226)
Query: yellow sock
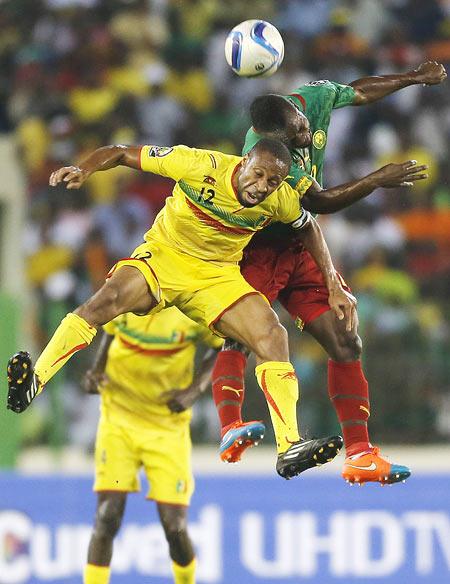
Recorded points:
(96,574)
(73,334)
(184,574)
(279,383)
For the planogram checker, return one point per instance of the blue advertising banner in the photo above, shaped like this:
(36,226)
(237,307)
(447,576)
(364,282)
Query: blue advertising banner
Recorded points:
(252,530)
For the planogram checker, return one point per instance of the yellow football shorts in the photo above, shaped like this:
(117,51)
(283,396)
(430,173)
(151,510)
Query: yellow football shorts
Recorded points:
(164,454)
(203,290)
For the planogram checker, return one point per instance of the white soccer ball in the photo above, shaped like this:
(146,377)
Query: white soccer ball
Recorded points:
(254,48)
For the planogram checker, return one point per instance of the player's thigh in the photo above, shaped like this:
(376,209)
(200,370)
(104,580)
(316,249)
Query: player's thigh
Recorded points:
(166,457)
(173,517)
(116,459)
(309,308)
(136,282)
(339,343)
(246,318)
(213,292)
(261,269)
(133,292)
(306,295)
(252,322)
(126,290)
(305,303)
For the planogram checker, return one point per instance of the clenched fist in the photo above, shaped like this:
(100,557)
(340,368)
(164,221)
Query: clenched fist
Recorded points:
(429,73)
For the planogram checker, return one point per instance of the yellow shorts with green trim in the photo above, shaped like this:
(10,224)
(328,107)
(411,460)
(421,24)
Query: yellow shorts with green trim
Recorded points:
(202,289)
(164,454)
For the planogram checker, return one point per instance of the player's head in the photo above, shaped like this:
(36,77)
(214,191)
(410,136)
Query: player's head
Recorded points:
(262,170)
(275,116)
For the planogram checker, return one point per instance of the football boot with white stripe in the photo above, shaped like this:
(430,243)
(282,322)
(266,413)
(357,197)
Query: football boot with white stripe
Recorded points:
(23,385)
(306,454)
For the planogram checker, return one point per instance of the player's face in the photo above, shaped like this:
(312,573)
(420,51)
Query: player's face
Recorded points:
(260,174)
(298,131)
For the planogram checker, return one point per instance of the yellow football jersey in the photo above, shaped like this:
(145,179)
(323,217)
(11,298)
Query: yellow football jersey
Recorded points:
(148,356)
(204,217)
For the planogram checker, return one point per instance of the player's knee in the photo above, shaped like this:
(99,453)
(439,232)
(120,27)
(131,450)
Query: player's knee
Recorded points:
(180,545)
(232,345)
(272,343)
(176,532)
(109,518)
(347,348)
(172,519)
(102,307)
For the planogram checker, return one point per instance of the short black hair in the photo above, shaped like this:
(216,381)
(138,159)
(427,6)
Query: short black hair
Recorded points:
(275,147)
(270,113)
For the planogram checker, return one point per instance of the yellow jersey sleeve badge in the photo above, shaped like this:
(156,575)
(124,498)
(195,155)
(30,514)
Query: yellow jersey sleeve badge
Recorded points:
(159,151)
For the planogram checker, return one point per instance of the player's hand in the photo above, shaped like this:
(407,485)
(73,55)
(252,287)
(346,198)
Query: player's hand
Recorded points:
(429,73)
(179,400)
(343,304)
(72,176)
(400,175)
(93,381)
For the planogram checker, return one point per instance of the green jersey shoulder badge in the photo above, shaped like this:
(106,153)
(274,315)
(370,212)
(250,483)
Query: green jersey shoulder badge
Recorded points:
(319,139)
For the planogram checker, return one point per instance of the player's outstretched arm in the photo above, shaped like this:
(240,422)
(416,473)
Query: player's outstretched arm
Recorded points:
(318,200)
(341,302)
(370,89)
(179,400)
(101,159)
(95,375)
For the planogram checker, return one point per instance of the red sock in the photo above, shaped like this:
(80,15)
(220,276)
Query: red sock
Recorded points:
(228,387)
(349,393)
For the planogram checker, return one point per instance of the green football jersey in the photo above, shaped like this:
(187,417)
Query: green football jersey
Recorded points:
(316,100)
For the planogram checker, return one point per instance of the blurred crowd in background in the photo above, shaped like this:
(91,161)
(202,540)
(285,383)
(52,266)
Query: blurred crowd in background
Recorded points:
(79,74)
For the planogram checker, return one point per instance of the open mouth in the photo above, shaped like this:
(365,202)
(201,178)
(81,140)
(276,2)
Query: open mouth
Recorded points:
(252,198)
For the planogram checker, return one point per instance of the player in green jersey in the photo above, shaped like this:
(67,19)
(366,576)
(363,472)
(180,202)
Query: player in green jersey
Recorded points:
(276,265)
(316,100)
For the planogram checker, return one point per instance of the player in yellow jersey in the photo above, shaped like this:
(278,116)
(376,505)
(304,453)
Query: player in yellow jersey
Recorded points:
(190,260)
(143,371)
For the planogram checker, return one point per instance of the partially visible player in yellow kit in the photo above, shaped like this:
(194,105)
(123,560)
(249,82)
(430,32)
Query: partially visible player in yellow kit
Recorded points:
(190,259)
(144,372)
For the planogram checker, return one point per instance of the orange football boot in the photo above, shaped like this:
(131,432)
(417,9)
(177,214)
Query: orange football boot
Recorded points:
(239,437)
(371,467)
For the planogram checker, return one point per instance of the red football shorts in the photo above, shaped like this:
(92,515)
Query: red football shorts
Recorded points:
(293,278)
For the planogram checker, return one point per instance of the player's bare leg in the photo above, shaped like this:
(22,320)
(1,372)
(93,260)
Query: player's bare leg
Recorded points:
(108,518)
(349,393)
(125,291)
(174,522)
(253,323)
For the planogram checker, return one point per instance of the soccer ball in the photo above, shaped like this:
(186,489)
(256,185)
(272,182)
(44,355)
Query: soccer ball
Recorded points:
(254,48)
